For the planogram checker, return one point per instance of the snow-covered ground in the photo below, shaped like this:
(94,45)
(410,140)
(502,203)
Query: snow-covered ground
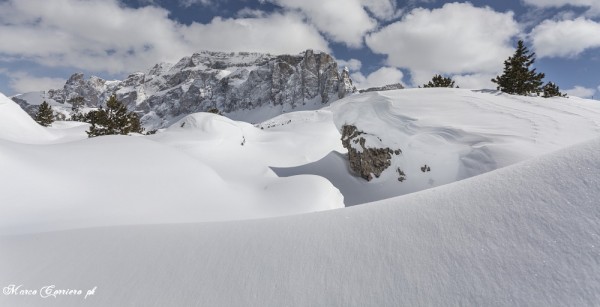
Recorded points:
(526,235)
(133,210)
(456,133)
(204,168)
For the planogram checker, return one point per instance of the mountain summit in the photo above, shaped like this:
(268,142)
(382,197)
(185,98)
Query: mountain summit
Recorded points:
(245,86)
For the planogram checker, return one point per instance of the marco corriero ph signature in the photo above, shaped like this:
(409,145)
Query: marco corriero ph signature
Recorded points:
(50,291)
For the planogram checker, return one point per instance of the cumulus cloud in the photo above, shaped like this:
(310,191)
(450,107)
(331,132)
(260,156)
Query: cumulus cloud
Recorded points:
(565,38)
(104,36)
(457,38)
(343,21)
(582,92)
(276,33)
(593,5)
(23,82)
(380,77)
(475,81)
(382,9)
(352,64)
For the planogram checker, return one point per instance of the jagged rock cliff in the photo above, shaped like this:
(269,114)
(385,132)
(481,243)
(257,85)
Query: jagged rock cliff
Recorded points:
(229,82)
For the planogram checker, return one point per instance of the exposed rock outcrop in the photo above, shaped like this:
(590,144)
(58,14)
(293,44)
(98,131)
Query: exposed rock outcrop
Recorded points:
(346,87)
(366,161)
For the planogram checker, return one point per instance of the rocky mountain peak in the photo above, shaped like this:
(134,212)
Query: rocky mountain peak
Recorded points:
(239,84)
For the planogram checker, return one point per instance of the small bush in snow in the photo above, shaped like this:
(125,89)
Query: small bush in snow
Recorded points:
(552,90)
(439,81)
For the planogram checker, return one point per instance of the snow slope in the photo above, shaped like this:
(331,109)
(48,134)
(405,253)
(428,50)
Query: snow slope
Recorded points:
(185,174)
(17,126)
(525,235)
(457,133)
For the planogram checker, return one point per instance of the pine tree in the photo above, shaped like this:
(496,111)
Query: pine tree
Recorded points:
(44,115)
(552,90)
(115,119)
(518,78)
(439,81)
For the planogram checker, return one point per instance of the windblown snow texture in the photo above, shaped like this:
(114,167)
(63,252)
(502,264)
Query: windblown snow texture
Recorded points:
(523,235)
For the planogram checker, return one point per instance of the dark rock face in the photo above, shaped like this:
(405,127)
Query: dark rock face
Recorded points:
(215,80)
(365,161)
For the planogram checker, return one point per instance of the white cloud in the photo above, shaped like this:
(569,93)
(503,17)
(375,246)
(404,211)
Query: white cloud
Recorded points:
(582,92)
(276,33)
(455,39)
(475,81)
(343,21)
(382,9)
(352,64)
(565,38)
(104,36)
(593,5)
(380,77)
(22,82)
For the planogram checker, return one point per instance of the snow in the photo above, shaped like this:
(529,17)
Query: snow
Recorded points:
(457,133)
(217,212)
(198,172)
(17,126)
(523,235)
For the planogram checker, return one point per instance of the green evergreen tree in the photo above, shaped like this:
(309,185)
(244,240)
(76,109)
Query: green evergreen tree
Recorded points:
(115,119)
(439,81)
(44,115)
(517,77)
(552,90)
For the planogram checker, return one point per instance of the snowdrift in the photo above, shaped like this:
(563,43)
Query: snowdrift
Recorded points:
(17,126)
(522,235)
(448,135)
(201,169)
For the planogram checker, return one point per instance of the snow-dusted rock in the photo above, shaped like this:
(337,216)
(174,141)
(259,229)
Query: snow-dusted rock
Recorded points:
(366,161)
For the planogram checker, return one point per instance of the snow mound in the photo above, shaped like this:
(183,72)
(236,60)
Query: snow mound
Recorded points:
(211,124)
(204,168)
(448,135)
(18,126)
(522,235)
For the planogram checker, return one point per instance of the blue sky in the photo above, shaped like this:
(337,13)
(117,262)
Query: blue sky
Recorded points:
(381,41)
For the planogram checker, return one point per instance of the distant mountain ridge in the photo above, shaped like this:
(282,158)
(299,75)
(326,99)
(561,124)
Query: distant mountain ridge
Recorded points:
(239,84)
